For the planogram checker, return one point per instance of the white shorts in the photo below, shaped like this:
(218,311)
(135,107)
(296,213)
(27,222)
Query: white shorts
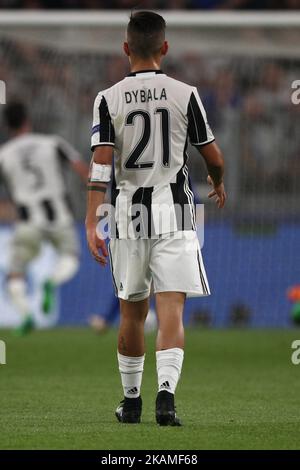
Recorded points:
(173,262)
(27,241)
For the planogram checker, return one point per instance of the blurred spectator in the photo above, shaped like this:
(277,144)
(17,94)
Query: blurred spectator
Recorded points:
(11,4)
(247,104)
(146,4)
(265,109)
(245,4)
(116,69)
(32,4)
(176,4)
(292,4)
(223,102)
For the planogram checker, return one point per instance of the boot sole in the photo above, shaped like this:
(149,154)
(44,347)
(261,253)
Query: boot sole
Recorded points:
(128,418)
(167,419)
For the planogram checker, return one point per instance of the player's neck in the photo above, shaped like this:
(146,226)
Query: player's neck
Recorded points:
(142,64)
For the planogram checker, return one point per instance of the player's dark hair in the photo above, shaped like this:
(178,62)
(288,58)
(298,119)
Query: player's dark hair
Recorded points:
(145,33)
(15,115)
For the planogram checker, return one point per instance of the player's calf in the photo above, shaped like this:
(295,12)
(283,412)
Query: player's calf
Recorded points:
(17,290)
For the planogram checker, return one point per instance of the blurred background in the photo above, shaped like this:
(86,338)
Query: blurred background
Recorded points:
(159,4)
(243,56)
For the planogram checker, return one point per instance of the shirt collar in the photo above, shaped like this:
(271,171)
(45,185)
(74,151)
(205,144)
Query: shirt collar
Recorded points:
(134,74)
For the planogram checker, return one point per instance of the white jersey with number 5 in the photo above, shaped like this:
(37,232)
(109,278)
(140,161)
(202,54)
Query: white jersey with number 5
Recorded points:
(149,118)
(31,167)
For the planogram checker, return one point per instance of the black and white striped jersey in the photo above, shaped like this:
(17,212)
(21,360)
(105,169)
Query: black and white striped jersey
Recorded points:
(149,118)
(31,167)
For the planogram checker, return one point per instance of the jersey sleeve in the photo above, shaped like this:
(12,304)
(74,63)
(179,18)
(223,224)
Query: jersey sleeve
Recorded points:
(66,151)
(199,130)
(103,132)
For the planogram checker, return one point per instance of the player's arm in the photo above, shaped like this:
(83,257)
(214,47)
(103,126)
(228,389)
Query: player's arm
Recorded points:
(68,154)
(202,138)
(102,144)
(215,167)
(99,177)
(81,169)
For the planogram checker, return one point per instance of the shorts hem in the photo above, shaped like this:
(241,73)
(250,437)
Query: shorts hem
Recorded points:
(133,297)
(189,293)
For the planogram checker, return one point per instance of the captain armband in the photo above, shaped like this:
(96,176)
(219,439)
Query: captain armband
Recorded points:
(100,173)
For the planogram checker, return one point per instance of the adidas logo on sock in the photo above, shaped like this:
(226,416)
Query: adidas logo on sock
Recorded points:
(165,385)
(132,391)
(121,286)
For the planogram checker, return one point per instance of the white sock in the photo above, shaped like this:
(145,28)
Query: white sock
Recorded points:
(168,366)
(131,370)
(17,290)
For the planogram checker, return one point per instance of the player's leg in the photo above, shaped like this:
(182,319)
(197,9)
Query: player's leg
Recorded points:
(170,339)
(65,241)
(169,308)
(131,357)
(25,247)
(169,353)
(129,265)
(131,340)
(177,270)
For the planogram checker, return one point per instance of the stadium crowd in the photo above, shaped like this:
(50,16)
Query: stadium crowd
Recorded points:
(159,4)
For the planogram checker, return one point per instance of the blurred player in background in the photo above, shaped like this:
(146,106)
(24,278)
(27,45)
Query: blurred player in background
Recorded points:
(147,118)
(31,167)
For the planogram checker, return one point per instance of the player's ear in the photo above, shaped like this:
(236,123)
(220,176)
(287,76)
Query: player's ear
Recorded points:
(165,48)
(126,49)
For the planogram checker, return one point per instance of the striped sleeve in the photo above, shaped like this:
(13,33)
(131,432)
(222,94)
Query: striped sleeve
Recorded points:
(103,130)
(198,128)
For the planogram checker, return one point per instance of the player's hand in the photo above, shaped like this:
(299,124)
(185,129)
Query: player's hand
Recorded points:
(218,193)
(96,245)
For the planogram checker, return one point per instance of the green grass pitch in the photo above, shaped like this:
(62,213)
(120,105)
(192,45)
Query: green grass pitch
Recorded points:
(239,390)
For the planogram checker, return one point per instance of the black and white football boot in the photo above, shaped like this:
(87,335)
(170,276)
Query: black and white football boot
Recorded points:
(129,410)
(165,409)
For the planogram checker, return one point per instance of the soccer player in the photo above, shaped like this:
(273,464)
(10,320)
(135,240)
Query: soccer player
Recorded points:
(31,166)
(145,122)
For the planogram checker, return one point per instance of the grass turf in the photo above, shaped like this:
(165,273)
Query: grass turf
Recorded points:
(239,390)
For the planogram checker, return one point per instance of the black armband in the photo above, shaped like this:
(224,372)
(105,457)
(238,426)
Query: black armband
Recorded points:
(100,189)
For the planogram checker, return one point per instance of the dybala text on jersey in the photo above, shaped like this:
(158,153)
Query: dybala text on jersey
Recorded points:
(145,95)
